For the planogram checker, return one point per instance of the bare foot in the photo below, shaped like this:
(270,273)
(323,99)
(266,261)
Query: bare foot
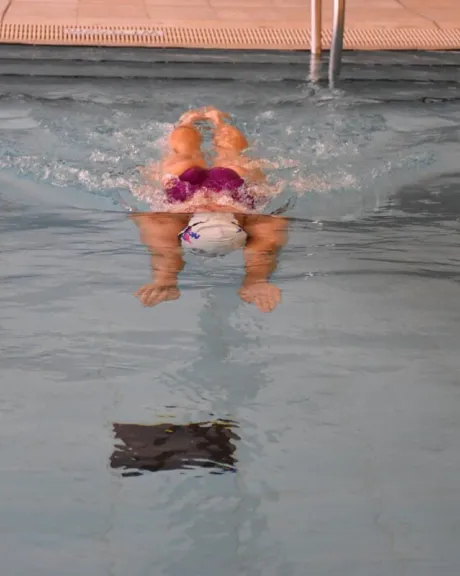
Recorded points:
(264,295)
(192,116)
(151,294)
(215,116)
(210,113)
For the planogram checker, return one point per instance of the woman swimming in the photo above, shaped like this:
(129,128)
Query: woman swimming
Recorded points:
(212,210)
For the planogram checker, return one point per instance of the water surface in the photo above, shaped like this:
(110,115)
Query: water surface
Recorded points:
(339,454)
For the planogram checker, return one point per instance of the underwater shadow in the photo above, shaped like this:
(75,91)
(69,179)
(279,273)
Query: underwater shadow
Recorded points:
(166,446)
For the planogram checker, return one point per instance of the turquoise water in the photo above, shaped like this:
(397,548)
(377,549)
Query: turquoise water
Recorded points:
(343,460)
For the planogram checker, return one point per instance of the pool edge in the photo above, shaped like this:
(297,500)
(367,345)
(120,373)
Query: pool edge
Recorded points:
(220,38)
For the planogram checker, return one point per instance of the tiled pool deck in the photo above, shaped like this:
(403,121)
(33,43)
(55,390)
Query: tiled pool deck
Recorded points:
(246,24)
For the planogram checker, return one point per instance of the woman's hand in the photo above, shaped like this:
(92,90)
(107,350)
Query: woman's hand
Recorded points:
(264,295)
(152,294)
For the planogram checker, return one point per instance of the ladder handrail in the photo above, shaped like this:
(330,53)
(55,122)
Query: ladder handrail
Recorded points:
(316,26)
(338,26)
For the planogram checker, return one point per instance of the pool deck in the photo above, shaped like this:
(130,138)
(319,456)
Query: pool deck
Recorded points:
(229,24)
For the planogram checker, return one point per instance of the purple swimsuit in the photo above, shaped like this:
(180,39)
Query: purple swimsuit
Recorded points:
(214,180)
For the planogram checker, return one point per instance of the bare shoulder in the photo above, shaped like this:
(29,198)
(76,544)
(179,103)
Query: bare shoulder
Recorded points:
(265,232)
(159,229)
(263,221)
(159,219)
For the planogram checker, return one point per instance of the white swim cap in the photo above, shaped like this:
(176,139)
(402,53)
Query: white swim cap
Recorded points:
(213,233)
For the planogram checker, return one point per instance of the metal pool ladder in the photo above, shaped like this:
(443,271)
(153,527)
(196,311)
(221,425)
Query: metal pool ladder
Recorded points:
(335,58)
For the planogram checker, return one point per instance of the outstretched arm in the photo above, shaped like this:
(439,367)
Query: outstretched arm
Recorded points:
(266,236)
(160,234)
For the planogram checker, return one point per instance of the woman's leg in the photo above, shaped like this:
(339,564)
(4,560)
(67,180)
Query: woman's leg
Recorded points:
(184,145)
(184,151)
(230,145)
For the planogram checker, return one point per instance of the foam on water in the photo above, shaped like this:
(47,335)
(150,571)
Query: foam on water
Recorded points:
(98,149)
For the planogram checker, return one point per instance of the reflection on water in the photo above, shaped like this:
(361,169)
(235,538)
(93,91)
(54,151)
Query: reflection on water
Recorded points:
(174,447)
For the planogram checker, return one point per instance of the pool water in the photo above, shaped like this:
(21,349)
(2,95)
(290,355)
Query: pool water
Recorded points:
(330,430)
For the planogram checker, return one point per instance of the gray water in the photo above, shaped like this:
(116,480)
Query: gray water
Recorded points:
(345,399)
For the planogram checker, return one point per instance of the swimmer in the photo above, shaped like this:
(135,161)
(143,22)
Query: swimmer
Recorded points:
(212,210)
